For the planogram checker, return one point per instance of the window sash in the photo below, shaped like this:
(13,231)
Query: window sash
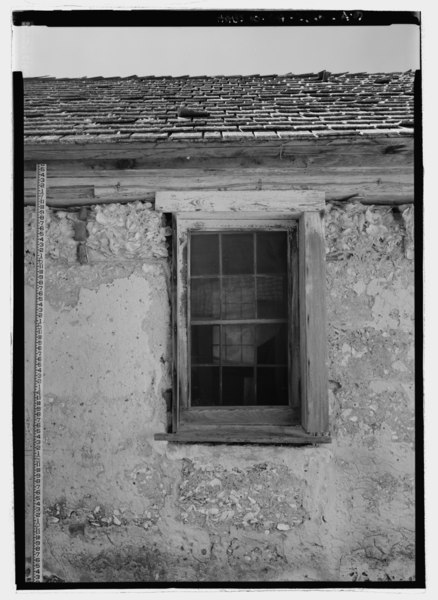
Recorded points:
(186,415)
(220,363)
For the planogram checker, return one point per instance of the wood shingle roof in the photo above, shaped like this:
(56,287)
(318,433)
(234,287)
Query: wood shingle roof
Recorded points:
(290,106)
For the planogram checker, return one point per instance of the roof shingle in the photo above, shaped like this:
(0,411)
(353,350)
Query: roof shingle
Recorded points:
(240,107)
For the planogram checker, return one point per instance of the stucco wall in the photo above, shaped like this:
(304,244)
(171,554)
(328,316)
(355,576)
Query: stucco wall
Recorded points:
(120,506)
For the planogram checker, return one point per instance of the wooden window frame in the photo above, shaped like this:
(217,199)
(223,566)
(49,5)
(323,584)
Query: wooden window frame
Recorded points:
(259,211)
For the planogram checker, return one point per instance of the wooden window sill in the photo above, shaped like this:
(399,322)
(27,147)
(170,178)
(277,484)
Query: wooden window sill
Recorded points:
(244,435)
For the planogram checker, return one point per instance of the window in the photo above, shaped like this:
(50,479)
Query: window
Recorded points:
(248,317)
(240,308)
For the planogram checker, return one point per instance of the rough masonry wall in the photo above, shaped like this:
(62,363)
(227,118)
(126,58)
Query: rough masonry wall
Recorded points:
(119,506)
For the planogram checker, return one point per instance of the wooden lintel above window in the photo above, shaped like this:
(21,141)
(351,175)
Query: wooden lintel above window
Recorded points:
(293,202)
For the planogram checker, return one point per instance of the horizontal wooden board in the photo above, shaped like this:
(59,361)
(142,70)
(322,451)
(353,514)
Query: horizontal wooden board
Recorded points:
(243,435)
(281,175)
(341,151)
(72,200)
(338,183)
(222,221)
(79,200)
(249,415)
(62,192)
(384,199)
(291,201)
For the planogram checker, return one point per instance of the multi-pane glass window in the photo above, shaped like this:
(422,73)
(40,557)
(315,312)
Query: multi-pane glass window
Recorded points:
(239,318)
(249,354)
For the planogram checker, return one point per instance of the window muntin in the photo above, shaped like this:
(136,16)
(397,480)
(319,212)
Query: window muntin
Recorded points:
(239,319)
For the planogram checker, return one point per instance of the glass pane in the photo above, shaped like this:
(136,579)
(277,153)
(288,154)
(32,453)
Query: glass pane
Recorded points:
(205,298)
(238,297)
(271,297)
(238,344)
(237,253)
(238,386)
(204,254)
(272,252)
(272,344)
(272,386)
(205,344)
(205,386)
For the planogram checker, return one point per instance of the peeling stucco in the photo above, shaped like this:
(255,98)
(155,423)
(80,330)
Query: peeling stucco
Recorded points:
(120,506)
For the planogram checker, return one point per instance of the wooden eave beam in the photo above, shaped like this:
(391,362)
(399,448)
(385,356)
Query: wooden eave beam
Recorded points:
(182,152)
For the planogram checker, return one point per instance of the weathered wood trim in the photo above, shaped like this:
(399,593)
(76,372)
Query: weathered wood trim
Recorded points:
(366,150)
(78,200)
(70,192)
(182,265)
(294,320)
(173,178)
(201,417)
(215,221)
(313,342)
(291,201)
(174,301)
(386,184)
(244,435)
(71,200)
(381,199)
(248,415)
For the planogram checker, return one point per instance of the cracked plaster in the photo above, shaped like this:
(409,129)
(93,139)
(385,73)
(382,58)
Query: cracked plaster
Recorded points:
(121,507)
